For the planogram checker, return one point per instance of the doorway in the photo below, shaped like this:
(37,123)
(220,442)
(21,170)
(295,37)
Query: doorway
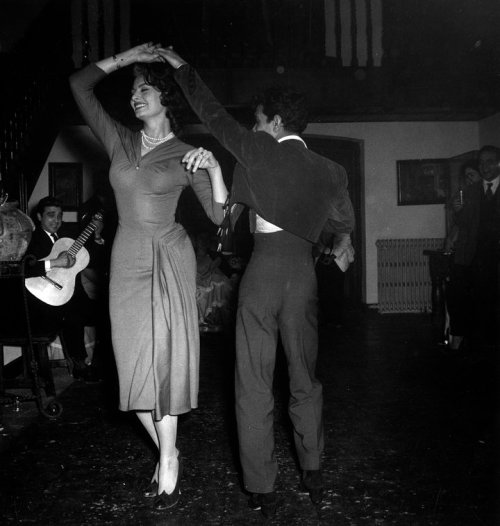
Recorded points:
(346,152)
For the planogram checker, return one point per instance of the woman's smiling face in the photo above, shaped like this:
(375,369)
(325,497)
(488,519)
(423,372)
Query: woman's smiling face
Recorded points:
(145,100)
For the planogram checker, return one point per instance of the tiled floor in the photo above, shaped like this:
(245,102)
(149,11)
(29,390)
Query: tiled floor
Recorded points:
(411,440)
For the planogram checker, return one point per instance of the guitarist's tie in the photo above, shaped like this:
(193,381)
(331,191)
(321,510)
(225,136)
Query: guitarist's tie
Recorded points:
(489,192)
(53,237)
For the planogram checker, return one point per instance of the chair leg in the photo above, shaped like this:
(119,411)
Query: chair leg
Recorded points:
(2,365)
(45,369)
(69,361)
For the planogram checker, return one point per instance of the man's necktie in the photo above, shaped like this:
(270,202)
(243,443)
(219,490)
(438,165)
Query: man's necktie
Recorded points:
(53,237)
(489,191)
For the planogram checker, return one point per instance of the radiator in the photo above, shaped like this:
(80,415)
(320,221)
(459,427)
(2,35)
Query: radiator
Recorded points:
(404,283)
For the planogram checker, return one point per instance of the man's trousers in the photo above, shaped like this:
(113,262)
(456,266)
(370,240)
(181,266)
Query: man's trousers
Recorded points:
(277,296)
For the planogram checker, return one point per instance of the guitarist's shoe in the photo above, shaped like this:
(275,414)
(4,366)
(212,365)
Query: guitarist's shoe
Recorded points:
(87,374)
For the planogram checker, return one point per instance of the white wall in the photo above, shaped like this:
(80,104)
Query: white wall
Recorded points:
(74,144)
(384,144)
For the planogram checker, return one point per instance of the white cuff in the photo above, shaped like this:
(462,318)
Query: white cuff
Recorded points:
(47,265)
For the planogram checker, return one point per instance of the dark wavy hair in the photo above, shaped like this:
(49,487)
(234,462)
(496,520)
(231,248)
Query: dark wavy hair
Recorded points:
(290,105)
(45,202)
(159,75)
(472,163)
(490,148)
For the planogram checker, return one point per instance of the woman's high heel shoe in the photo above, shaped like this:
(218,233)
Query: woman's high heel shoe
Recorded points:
(151,491)
(169,500)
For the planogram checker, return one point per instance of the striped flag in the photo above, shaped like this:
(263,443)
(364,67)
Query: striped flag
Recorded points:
(353,32)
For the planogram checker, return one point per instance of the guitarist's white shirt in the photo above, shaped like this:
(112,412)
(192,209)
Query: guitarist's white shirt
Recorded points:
(47,263)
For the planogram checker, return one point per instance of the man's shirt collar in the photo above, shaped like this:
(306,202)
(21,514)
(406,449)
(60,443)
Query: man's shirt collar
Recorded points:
(292,137)
(494,184)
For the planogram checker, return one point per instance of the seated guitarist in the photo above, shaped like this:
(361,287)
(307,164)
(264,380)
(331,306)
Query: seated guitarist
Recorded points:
(72,317)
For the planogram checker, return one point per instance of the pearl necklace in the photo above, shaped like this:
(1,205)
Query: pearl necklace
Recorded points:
(153,142)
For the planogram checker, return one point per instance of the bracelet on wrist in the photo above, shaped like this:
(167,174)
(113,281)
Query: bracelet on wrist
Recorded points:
(117,61)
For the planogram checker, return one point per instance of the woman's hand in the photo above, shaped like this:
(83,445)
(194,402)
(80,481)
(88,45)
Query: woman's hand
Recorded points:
(146,52)
(200,158)
(168,54)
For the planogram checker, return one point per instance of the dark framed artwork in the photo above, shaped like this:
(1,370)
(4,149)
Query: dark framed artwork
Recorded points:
(65,183)
(423,182)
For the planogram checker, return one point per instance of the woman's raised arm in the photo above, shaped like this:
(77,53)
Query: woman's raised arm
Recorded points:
(141,53)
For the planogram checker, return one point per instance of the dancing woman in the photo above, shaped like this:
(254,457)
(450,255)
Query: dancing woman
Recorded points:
(153,266)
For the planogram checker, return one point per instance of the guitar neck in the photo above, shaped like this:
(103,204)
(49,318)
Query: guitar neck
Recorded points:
(82,239)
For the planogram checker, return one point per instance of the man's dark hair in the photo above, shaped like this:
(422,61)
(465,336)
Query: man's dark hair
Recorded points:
(290,105)
(46,202)
(490,148)
(472,163)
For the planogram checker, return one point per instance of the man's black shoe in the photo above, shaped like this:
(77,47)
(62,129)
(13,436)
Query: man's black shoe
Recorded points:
(312,482)
(265,502)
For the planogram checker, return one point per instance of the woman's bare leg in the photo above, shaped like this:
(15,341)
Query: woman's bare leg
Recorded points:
(146,419)
(166,430)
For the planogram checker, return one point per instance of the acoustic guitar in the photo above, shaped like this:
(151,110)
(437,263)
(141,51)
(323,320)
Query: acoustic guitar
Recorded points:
(57,286)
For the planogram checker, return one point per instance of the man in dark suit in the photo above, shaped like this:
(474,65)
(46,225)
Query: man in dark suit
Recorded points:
(292,194)
(72,317)
(472,292)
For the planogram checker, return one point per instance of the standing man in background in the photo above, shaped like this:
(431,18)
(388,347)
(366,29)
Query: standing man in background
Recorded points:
(472,293)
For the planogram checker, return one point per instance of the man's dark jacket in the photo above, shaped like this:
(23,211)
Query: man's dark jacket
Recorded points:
(41,245)
(285,183)
(468,221)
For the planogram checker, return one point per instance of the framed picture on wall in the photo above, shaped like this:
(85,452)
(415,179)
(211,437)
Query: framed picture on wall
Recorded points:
(65,183)
(423,182)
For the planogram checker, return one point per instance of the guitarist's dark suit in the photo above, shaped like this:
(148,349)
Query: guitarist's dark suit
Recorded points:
(72,317)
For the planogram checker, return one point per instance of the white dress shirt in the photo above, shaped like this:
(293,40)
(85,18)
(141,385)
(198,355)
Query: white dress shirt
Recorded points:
(494,184)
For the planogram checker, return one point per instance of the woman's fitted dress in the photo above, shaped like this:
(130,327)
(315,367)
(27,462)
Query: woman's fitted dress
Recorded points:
(153,309)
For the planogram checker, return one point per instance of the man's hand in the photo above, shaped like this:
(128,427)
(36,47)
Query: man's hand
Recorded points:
(64,260)
(170,56)
(98,230)
(343,244)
